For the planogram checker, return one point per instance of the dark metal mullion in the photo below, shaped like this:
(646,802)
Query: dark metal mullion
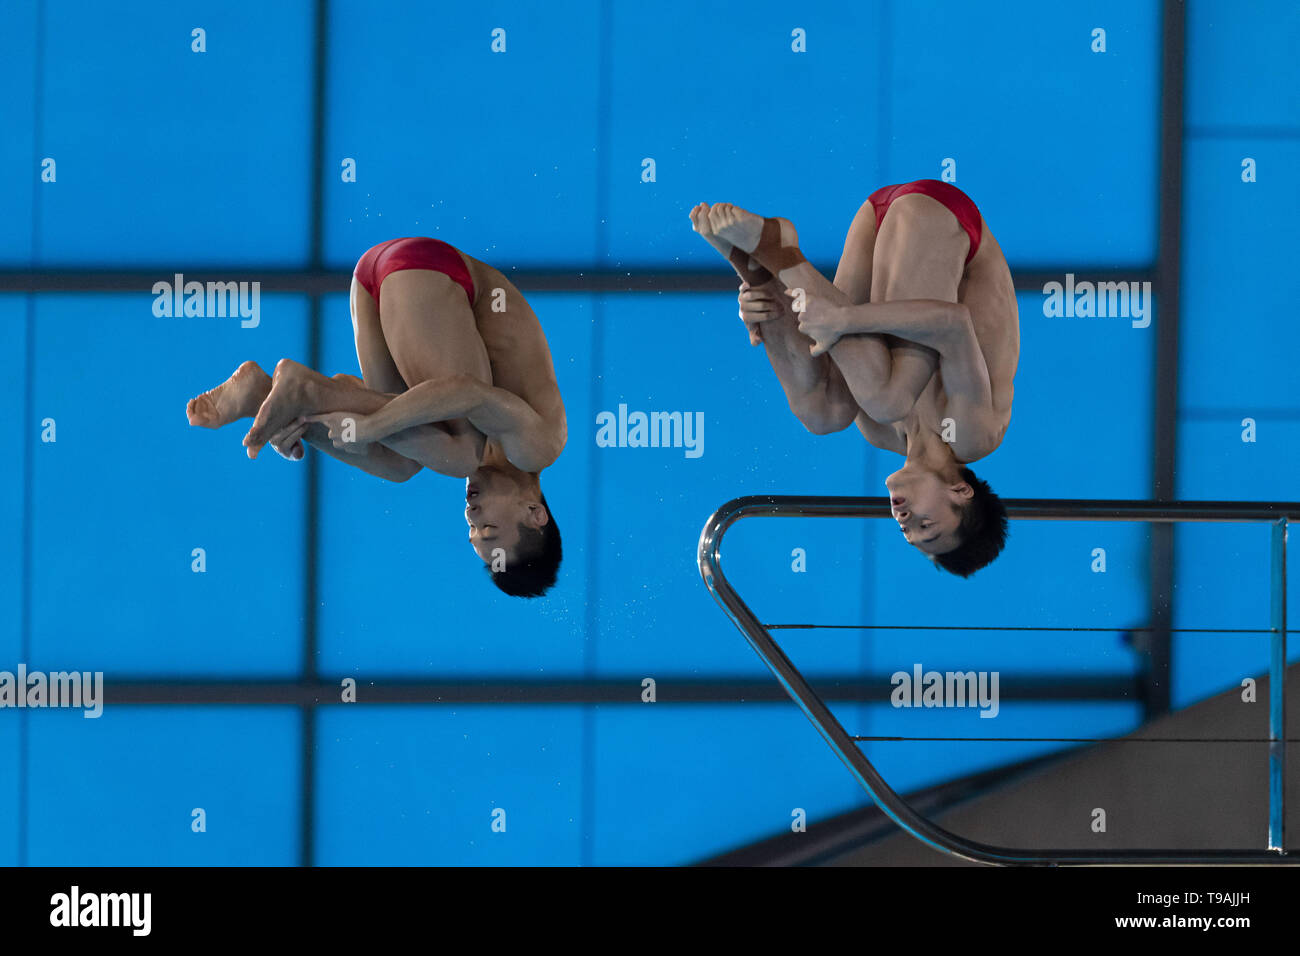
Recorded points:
(306,703)
(1164,422)
(323,281)
(591,615)
(505,689)
(311,542)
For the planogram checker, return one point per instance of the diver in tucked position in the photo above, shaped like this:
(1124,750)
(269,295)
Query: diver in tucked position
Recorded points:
(457,377)
(916,342)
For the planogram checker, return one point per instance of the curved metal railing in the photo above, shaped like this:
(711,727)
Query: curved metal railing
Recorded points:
(1279,514)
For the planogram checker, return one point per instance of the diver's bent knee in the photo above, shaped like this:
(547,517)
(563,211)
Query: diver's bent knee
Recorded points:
(405,471)
(888,407)
(820,426)
(819,419)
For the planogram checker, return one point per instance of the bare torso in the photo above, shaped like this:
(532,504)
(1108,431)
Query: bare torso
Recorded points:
(427,334)
(517,350)
(987,290)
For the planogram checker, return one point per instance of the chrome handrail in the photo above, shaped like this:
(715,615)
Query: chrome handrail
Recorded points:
(930,833)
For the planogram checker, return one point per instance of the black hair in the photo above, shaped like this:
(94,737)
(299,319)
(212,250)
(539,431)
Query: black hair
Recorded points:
(983,530)
(537,560)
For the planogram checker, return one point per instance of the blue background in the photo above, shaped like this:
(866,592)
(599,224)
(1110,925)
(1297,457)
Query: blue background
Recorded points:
(170,161)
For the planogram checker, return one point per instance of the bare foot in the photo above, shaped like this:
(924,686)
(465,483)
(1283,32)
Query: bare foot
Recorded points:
(700,223)
(736,226)
(772,242)
(237,397)
(747,267)
(284,403)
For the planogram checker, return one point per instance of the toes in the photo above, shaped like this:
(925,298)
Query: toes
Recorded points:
(255,443)
(256,435)
(259,422)
(200,411)
(700,218)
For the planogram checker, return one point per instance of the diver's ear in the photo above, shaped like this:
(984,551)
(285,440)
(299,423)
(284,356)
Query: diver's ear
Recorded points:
(962,490)
(537,516)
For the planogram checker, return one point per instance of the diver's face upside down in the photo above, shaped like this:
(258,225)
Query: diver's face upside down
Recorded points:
(511,529)
(494,521)
(927,507)
(499,509)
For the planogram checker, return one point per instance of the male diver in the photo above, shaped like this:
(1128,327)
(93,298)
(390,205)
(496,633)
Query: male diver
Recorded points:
(916,342)
(457,377)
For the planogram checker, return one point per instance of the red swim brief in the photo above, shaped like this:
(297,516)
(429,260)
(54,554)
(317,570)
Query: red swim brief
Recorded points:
(414,252)
(958,203)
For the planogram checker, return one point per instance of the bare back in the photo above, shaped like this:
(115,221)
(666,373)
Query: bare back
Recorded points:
(517,350)
(988,291)
(910,257)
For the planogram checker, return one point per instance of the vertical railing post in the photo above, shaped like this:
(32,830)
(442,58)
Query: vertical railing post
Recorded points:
(1277,692)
